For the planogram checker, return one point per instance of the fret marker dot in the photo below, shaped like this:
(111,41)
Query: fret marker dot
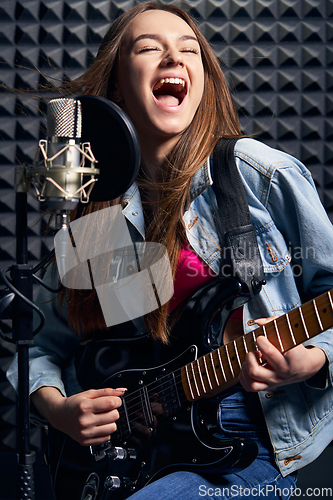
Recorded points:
(296,325)
(324,310)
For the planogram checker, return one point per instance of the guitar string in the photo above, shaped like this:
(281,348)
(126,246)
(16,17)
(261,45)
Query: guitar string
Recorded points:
(156,385)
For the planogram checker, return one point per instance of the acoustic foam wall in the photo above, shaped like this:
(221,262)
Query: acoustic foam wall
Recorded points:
(278,55)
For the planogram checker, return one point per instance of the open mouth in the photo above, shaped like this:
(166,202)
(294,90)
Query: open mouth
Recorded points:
(170,91)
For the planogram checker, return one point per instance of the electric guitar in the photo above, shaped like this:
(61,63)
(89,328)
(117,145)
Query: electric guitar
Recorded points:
(168,416)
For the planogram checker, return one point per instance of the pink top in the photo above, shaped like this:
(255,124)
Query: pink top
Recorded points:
(191,273)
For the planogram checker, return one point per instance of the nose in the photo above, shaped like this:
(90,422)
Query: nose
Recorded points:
(173,59)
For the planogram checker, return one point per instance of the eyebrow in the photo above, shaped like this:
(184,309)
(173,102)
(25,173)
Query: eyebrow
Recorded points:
(159,38)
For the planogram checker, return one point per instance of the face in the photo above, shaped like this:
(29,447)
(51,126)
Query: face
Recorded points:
(160,76)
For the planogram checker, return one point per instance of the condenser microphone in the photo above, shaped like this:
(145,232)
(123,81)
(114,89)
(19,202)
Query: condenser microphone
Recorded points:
(67,172)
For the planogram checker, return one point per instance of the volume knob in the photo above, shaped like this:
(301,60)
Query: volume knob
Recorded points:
(112,483)
(117,483)
(118,453)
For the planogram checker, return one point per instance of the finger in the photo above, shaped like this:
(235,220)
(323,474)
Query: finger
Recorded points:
(105,404)
(254,376)
(104,430)
(264,321)
(275,360)
(104,418)
(106,391)
(252,368)
(89,406)
(97,435)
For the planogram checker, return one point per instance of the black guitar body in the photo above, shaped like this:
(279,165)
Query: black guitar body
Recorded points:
(159,430)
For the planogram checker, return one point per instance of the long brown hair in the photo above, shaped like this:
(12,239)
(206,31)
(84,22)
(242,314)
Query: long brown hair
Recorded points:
(215,117)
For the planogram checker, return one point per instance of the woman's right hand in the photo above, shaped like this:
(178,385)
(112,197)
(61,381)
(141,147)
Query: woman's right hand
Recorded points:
(87,417)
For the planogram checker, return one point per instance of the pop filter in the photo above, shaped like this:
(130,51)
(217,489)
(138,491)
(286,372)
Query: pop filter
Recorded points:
(114,143)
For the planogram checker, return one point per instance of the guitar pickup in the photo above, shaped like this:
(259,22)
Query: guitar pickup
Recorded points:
(146,407)
(124,430)
(168,395)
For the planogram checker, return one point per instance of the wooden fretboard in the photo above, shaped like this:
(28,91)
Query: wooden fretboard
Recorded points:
(214,372)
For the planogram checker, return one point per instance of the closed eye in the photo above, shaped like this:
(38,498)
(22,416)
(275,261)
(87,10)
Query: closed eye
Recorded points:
(191,50)
(147,49)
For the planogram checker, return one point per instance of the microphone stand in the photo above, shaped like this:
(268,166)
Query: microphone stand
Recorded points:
(23,336)
(19,305)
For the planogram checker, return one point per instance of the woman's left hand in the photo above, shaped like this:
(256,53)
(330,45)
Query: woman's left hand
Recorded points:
(300,363)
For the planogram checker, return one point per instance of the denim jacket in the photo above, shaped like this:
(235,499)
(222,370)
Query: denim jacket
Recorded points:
(295,240)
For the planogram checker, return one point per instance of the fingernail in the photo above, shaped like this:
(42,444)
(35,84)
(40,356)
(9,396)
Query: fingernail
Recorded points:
(122,389)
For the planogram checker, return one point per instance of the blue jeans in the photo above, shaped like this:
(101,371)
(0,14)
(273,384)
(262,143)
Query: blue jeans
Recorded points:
(239,415)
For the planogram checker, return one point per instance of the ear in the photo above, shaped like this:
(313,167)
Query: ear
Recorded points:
(116,95)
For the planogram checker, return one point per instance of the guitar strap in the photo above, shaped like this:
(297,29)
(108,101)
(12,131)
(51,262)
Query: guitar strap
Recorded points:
(234,226)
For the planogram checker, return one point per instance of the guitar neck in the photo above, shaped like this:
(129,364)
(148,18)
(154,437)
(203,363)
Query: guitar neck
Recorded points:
(219,369)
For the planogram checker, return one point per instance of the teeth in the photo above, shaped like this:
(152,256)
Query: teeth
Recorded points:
(176,81)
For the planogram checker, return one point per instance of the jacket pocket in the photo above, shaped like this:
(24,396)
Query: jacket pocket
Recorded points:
(274,251)
(319,402)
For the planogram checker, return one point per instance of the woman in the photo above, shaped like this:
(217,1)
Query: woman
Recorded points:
(156,65)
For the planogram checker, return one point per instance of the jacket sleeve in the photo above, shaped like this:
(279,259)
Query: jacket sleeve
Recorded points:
(309,235)
(50,356)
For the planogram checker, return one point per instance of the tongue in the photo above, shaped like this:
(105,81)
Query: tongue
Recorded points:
(168,100)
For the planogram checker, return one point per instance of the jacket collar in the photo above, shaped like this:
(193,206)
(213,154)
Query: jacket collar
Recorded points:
(132,200)
(200,181)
